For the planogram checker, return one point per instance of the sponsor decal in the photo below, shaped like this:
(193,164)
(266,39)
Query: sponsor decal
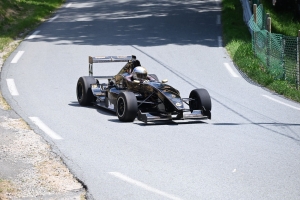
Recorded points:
(178,104)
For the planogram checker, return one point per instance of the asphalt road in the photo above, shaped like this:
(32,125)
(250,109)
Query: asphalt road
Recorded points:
(249,150)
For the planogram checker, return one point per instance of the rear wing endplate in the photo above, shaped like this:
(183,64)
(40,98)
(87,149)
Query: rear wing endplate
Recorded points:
(106,59)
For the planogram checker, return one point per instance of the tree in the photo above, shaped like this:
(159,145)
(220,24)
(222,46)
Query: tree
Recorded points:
(288,6)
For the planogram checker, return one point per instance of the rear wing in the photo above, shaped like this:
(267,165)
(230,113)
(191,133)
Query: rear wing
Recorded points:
(106,59)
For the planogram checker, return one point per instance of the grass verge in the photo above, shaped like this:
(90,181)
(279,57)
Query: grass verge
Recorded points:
(237,41)
(18,17)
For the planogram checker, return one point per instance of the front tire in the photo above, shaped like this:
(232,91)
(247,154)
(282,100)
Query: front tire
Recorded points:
(83,90)
(127,107)
(202,101)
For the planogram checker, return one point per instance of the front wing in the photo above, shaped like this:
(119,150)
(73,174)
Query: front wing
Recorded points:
(195,115)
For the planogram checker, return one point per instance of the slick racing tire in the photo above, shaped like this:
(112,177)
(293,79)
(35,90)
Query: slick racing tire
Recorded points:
(84,93)
(201,101)
(127,107)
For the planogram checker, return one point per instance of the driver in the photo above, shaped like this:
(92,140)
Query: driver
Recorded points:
(139,73)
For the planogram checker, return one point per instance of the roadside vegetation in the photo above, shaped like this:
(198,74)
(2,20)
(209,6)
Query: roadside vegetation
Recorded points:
(237,40)
(18,17)
(283,20)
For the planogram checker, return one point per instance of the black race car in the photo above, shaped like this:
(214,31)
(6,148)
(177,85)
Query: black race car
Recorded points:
(148,100)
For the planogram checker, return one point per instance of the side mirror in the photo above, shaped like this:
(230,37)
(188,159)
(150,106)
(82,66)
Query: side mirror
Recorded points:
(164,81)
(136,81)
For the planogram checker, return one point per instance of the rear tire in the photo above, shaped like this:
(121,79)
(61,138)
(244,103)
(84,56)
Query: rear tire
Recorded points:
(202,101)
(127,107)
(84,93)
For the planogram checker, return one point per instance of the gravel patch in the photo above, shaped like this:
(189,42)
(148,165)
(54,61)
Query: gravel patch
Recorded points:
(29,167)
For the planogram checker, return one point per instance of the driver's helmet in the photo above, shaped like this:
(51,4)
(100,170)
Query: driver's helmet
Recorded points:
(139,73)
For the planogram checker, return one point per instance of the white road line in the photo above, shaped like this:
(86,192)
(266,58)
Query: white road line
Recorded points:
(69,4)
(142,185)
(45,128)
(220,41)
(297,108)
(12,87)
(17,57)
(53,18)
(33,35)
(218,19)
(228,67)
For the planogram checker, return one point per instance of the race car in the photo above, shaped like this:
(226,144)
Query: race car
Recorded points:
(145,98)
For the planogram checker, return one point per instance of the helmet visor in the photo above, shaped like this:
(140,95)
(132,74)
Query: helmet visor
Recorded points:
(141,76)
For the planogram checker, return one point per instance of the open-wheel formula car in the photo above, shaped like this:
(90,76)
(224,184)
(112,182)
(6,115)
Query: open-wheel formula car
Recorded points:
(145,97)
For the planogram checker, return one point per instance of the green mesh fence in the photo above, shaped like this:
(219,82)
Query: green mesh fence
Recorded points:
(279,53)
(290,59)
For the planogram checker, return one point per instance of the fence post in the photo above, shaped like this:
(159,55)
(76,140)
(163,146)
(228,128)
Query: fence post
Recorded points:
(298,64)
(269,24)
(254,32)
(254,11)
(266,20)
(268,40)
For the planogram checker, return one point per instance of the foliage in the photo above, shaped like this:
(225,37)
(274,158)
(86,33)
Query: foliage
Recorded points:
(237,39)
(19,16)
(292,7)
(283,21)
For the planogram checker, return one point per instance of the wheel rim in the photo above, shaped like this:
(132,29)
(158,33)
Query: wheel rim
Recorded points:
(121,107)
(79,91)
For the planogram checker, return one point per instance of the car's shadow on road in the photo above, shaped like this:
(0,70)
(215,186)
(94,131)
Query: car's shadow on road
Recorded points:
(100,110)
(159,123)
(170,123)
(74,104)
